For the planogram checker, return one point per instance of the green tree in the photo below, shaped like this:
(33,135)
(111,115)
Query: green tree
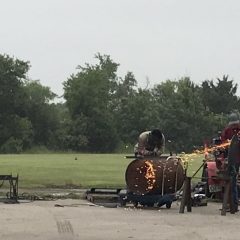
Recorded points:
(221,97)
(123,108)
(15,128)
(88,96)
(42,113)
(182,115)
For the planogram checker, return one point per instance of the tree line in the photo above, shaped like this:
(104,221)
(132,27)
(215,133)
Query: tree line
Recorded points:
(103,112)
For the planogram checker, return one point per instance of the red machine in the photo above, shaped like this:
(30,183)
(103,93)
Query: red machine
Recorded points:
(214,168)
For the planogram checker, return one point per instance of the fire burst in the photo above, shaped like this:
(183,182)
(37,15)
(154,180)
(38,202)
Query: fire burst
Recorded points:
(150,175)
(208,150)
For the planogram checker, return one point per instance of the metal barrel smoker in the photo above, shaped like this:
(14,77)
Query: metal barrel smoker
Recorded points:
(153,180)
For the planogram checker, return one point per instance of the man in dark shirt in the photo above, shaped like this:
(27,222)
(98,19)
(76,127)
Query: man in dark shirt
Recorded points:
(232,132)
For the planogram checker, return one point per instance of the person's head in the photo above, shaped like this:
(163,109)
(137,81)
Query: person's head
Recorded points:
(233,118)
(156,135)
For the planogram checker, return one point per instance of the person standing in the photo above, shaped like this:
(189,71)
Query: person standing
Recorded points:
(232,132)
(232,127)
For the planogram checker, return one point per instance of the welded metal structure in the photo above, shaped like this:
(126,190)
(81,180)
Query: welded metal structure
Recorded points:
(155,175)
(150,181)
(12,195)
(153,180)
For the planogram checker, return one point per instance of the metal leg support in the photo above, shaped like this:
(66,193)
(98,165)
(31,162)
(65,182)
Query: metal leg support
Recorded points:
(186,198)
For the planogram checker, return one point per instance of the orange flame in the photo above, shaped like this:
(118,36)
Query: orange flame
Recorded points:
(150,175)
(187,158)
(208,150)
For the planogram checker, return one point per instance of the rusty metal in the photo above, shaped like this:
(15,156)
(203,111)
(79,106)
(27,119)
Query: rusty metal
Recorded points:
(167,177)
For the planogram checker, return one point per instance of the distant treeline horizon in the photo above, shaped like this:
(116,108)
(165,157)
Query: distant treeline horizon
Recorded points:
(103,112)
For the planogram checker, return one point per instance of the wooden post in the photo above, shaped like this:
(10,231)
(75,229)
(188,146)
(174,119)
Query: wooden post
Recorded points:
(230,197)
(183,200)
(186,197)
(225,197)
(189,199)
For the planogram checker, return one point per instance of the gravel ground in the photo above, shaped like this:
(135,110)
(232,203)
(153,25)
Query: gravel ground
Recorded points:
(79,219)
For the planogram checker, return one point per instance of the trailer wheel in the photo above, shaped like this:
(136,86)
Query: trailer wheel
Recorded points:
(168,205)
(122,200)
(123,203)
(135,204)
(150,204)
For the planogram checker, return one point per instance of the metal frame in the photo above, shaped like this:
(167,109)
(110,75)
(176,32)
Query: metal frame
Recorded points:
(13,186)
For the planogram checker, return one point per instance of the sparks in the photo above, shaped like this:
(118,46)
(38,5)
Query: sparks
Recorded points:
(150,175)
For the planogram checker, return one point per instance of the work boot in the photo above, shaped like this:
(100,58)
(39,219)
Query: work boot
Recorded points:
(234,210)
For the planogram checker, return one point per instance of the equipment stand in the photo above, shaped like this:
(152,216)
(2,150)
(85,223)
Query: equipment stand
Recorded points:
(186,198)
(227,197)
(13,187)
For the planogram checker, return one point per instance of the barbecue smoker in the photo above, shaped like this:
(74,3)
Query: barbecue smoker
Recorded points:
(153,181)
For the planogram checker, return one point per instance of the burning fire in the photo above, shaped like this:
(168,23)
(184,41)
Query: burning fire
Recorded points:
(150,175)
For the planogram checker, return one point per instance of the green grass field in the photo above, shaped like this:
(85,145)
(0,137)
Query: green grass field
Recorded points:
(62,170)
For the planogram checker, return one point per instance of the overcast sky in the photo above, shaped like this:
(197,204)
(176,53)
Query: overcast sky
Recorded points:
(155,39)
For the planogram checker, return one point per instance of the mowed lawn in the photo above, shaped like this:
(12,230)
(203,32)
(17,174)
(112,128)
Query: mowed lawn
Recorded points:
(70,170)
